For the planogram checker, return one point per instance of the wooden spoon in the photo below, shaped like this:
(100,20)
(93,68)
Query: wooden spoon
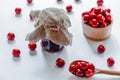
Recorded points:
(95,71)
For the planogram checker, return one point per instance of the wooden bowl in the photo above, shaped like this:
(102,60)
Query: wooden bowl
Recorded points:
(96,34)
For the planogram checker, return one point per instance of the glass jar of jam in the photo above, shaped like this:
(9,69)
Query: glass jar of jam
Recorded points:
(49,46)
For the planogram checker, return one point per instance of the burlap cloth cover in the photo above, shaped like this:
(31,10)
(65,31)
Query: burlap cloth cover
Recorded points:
(52,24)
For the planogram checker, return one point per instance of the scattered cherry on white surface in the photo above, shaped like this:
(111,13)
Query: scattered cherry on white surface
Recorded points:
(29,1)
(10,36)
(100,2)
(32,46)
(60,62)
(31,17)
(59,0)
(110,61)
(16,52)
(18,10)
(69,8)
(101,49)
(77,0)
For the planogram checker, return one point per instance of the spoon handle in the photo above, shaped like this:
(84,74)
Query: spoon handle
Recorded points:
(109,72)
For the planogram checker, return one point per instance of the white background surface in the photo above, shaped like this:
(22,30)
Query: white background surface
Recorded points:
(41,66)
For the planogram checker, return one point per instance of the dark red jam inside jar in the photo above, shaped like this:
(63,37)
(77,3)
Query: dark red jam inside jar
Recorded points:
(49,46)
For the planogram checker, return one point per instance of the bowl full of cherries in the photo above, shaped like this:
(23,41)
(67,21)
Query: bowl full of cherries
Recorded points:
(97,23)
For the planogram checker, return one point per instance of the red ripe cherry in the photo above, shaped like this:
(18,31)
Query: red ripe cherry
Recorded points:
(104,24)
(100,18)
(16,52)
(77,0)
(92,15)
(108,18)
(18,10)
(69,8)
(86,18)
(31,17)
(89,73)
(32,46)
(108,10)
(93,23)
(60,62)
(101,49)
(72,69)
(79,73)
(11,36)
(78,64)
(110,61)
(91,66)
(98,10)
(92,10)
(99,2)
(84,13)
(29,1)
(105,12)
(84,65)
(59,0)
